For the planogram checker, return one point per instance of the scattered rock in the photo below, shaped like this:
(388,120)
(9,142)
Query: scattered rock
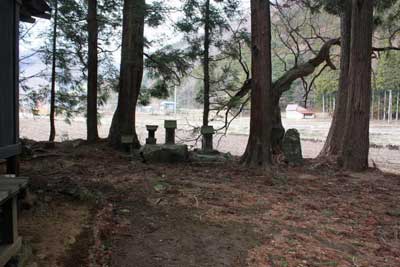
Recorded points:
(79,192)
(213,156)
(161,187)
(49,145)
(27,150)
(394,213)
(29,200)
(165,153)
(393,147)
(125,211)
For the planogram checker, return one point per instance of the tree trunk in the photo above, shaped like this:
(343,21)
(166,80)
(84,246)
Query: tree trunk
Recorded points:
(278,131)
(372,105)
(397,105)
(91,120)
(53,78)
(379,106)
(284,83)
(335,136)
(390,114)
(355,144)
(334,103)
(131,73)
(206,64)
(305,100)
(259,149)
(384,105)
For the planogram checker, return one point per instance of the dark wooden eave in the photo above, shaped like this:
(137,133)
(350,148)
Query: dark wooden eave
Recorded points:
(34,8)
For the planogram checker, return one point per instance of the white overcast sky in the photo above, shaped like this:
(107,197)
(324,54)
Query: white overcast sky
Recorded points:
(164,35)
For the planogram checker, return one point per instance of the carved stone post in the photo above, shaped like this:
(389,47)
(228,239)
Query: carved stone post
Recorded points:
(127,142)
(170,126)
(151,140)
(207,142)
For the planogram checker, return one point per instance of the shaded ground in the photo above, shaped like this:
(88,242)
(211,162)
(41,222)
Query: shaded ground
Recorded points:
(125,213)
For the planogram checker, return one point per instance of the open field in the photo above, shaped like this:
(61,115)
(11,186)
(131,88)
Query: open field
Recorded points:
(313,133)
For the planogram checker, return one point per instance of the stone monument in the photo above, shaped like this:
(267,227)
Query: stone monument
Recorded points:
(291,147)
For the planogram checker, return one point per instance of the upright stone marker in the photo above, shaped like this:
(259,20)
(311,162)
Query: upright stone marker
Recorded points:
(170,126)
(207,142)
(151,140)
(127,141)
(291,147)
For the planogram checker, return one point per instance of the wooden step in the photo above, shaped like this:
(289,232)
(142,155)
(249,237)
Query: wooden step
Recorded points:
(9,251)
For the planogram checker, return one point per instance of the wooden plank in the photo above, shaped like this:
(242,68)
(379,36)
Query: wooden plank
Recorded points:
(9,230)
(11,178)
(21,183)
(3,196)
(8,251)
(10,151)
(11,189)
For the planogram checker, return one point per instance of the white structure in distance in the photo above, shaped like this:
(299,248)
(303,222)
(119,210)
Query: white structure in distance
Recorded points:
(295,111)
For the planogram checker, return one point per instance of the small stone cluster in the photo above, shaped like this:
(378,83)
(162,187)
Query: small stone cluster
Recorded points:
(171,152)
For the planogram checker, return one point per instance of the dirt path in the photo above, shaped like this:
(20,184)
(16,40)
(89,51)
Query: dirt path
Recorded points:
(218,214)
(233,217)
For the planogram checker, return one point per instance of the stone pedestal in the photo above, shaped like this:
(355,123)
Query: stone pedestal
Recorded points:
(151,140)
(207,141)
(170,126)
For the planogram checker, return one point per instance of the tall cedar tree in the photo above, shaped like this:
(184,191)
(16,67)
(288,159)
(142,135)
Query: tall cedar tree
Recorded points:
(258,151)
(206,64)
(53,77)
(213,18)
(71,56)
(91,120)
(131,73)
(355,144)
(335,136)
(334,140)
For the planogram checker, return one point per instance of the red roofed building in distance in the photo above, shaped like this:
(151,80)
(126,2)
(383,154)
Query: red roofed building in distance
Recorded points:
(295,111)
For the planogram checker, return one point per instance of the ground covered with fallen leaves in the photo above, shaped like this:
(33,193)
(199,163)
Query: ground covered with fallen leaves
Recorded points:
(95,207)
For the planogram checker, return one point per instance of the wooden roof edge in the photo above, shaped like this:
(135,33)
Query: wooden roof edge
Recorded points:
(34,8)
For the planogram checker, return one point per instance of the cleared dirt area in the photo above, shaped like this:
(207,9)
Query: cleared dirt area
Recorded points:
(384,152)
(198,214)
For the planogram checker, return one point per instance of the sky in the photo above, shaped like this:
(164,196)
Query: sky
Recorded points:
(162,35)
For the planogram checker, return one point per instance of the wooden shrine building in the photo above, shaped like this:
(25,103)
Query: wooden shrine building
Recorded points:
(11,13)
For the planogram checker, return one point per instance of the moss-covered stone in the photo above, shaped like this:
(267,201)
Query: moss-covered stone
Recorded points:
(291,147)
(165,153)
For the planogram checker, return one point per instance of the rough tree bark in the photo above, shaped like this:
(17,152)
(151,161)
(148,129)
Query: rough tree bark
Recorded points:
(379,106)
(131,73)
(384,105)
(53,78)
(91,120)
(206,64)
(259,148)
(335,136)
(397,106)
(355,144)
(283,84)
(372,105)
